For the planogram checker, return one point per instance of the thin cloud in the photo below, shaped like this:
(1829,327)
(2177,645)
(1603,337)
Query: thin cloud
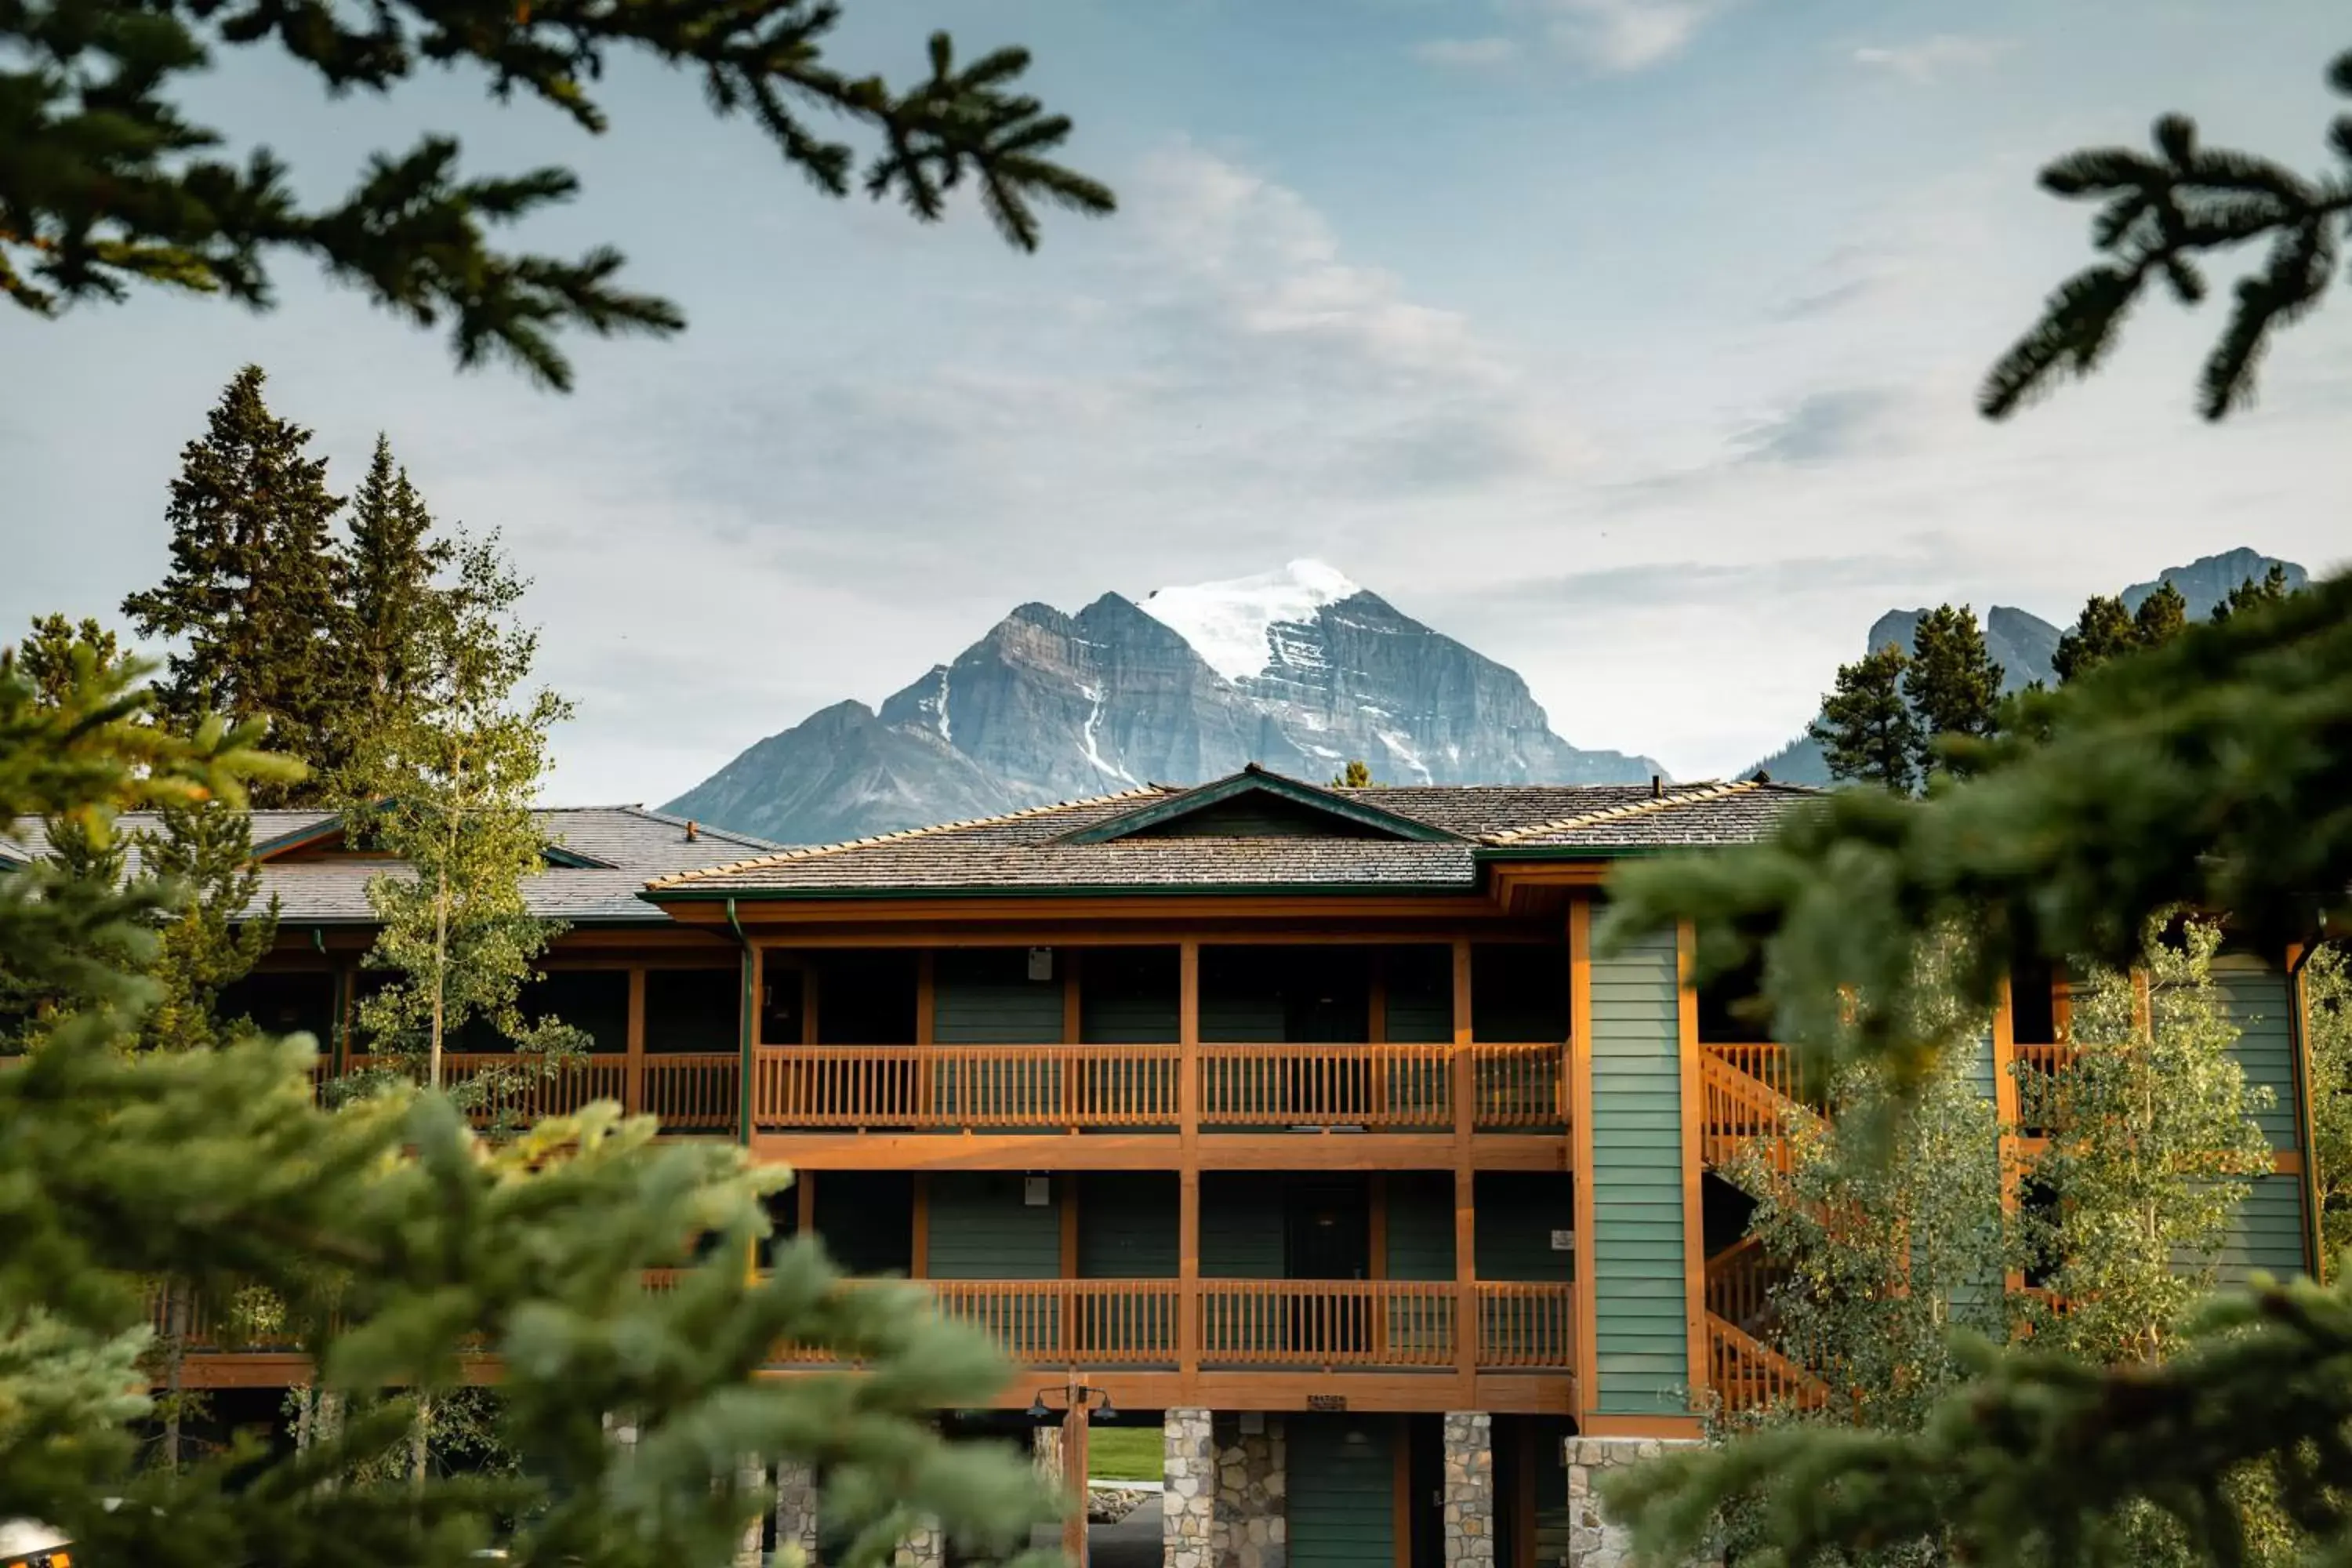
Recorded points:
(1824,427)
(1625,36)
(1928,59)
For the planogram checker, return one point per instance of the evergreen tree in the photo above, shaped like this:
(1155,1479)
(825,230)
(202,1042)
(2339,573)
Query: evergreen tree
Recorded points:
(254,586)
(2151,1148)
(1355,775)
(2252,594)
(2100,633)
(396,1246)
(448,786)
(2161,616)
(110,183)
(1866,731)
(47,657)
(1953,683)
(393,560)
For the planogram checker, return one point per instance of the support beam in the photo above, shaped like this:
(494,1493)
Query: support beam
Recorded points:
(1188,1037)
(633,1091)
(1465,1278)
(1693,1099)
(919,1265)
(1579,1013)
(1188,1273)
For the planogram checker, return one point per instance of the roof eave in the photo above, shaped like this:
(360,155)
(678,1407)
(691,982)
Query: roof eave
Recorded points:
(1059,891)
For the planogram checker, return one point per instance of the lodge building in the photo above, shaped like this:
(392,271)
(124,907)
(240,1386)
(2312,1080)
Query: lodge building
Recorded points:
(1303,1125)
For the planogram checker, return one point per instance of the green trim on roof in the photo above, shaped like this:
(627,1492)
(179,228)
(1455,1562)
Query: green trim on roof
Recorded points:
(1255,779)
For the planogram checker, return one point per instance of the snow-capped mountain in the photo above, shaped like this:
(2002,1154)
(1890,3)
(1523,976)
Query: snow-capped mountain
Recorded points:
(1299,669)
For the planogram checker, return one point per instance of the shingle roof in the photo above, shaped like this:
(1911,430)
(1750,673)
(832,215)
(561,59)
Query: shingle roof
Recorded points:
(633,845)
(1032,850)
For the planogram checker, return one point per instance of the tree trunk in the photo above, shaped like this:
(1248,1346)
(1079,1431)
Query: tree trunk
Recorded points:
(420,1442)
(440,970)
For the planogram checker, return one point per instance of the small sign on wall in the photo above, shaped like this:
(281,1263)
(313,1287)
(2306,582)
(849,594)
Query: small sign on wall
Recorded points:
(1563,1241)
(1327,1402)
(1036,1192)
(1041,963)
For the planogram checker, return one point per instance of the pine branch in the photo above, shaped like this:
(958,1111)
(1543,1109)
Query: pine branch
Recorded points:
(107,185)
(2162,214)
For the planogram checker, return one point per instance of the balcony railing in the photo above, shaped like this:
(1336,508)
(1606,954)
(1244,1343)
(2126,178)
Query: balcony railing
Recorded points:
(695,1091)
(1384,1325)
(1397,1087)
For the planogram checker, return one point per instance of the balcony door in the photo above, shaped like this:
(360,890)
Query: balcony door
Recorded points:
(1327,1235)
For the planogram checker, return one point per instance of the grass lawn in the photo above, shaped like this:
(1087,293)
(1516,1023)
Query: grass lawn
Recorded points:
(1124,1454)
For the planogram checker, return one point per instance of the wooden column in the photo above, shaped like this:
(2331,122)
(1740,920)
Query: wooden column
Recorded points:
(1188,1051)
(2316,1263)
(633,1092)
(1074,1471)
(1465,1282)
(1073,1071)
(1067,1180)
(1579,1013)
(804,1202)
(1379,1261)
(919,1267)
(927,1006)
(2007,1109)
(1188,1278)
(1691,1100)
(1463,1080)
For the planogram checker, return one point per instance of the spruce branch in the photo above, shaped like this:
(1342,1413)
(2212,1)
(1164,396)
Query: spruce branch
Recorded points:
(2161,214)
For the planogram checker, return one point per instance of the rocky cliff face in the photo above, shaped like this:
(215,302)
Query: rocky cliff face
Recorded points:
(2023,643)
(1299,671)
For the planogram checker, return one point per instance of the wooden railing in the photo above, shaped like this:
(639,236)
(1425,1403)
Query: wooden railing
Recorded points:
(1393,1086)
(1526,1325)
(688,1091)
(1740,1284)
(696,1093)
(1746,1374)
(966,1086)
(1748,1092)
(1331,1323)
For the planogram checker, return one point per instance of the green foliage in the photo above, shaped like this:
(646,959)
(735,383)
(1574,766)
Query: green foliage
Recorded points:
(110,183)
(2327,998)
(2152,1145)
(448,786)
(392,601)
(395,1245)
(1885,1258)
(2251,593)
(220,928)
(1867,731)
(2163,215)
(1357,775)
(47,655)
(1953,683)
(254,586)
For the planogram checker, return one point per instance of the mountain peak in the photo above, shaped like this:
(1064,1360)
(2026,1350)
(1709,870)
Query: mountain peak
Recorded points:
(1229,622)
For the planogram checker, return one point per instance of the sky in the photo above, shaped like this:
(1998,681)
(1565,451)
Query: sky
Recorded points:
(1631,342)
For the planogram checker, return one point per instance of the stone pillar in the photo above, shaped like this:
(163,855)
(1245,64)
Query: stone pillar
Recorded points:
(1469,1488)
(925,1547)
(1252,1528)
(750,1477)
(795,1511)
(1594,1540)
(1189,1505)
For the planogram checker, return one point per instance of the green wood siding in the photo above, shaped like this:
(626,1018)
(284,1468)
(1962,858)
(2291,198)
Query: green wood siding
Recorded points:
(1240,1226)
(1127,1225)
(1641,1337)
(1129,997)
(692,1010)
(2263,1008)
(1420,1224)
(1419,986)
(984,997)
(1516,1213)
(979,1229)
(1341,1491)
(2267,1233)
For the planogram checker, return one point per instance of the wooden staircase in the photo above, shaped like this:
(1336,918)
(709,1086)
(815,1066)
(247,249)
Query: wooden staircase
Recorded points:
(1749,1095)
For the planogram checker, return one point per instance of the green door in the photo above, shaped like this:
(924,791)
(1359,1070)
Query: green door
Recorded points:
(1342,1487)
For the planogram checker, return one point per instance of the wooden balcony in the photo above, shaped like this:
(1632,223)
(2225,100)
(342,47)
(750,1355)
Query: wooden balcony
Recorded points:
(1513,1088)
(689,1093)
(1245,1325)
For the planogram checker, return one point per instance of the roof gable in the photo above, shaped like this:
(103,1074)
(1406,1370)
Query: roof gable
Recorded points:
(1255,804)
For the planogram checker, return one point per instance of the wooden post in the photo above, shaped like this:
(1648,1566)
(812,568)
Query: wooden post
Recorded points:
(927,1002)
(1380,1261)
(1074,1471)
(920,1266)
(1465,1282)
(805,1202)
(2316,1262)
(2007,1108)
(1073,1067)
(1188,1278)
(633,1090)
(1580,1013)
(1069,1181)
(1188,1051)
(1693,1104)
(1466,1108)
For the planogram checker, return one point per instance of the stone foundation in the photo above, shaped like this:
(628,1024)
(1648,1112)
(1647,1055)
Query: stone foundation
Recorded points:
(923,1548)
(1189,1504)
(1594,1541)
(1251,1525)
(795,1511)
(1469,1489)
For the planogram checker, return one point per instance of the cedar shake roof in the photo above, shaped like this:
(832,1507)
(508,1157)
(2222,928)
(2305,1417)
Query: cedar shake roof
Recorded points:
(627,845)
(1067,846)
